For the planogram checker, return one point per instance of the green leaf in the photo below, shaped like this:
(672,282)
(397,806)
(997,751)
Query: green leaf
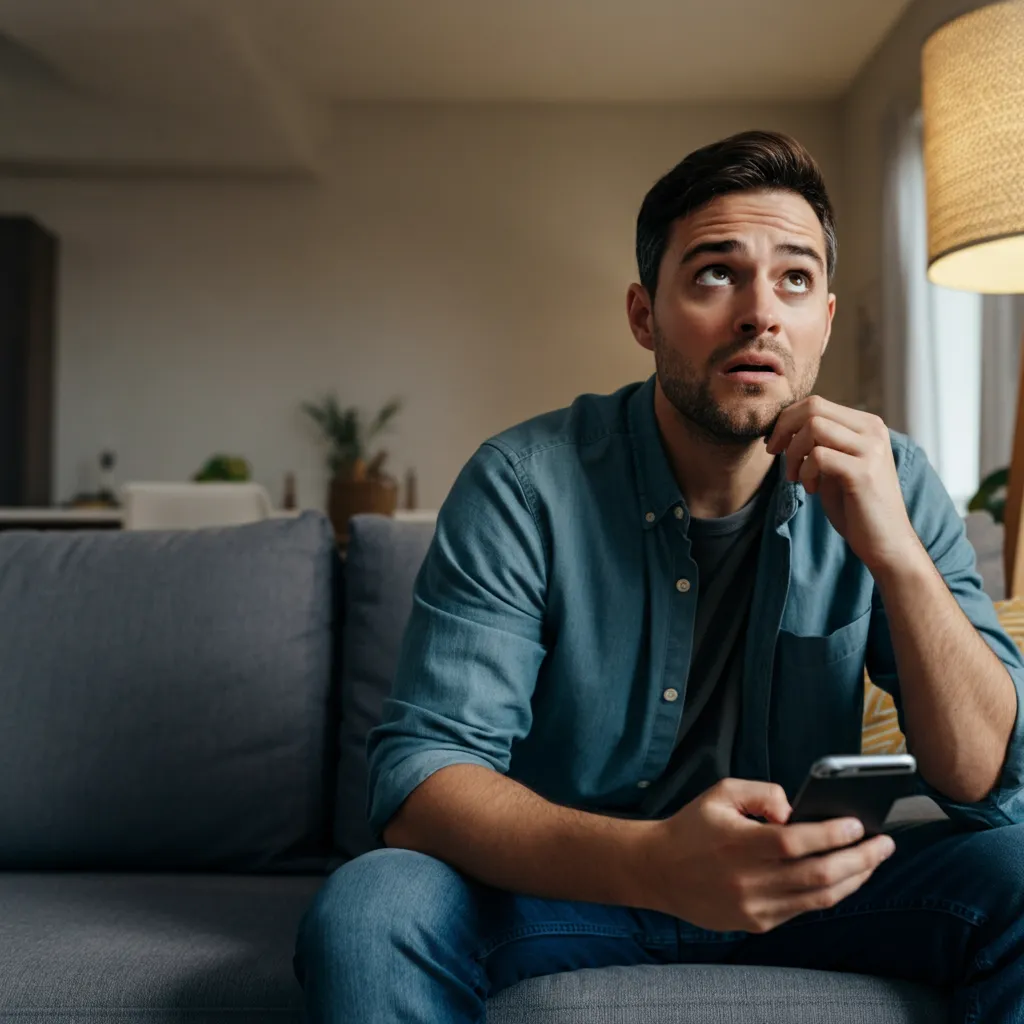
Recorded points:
(991,496)
(345,431)
(384,417)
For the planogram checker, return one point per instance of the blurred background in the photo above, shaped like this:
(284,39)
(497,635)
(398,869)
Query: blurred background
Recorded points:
(229,224)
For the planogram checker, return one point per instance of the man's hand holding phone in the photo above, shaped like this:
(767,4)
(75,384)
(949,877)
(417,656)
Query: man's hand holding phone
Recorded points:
(712,864)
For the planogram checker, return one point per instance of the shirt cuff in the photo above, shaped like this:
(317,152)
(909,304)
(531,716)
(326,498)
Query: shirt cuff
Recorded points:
(395,784)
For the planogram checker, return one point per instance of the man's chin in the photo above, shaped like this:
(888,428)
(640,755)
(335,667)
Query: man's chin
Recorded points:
(750,424)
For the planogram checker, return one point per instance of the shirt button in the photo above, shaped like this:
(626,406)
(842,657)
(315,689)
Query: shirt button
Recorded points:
(679,512)
(642,784)
(682,586)
(671,694)
(650,517)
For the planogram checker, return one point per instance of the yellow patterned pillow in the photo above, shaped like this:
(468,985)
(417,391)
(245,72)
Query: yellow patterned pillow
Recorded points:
(881,732)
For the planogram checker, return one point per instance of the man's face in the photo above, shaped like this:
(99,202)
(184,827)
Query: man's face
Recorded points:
(742,313)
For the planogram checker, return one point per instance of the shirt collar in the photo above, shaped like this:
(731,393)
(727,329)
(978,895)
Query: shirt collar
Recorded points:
(656,485)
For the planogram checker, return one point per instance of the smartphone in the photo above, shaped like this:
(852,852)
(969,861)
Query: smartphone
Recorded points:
(863,786)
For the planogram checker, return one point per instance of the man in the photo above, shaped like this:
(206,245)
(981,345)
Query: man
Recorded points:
(642,618)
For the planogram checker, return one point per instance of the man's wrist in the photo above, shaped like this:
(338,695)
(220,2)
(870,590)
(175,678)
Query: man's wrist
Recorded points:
(910,565)
(639,874)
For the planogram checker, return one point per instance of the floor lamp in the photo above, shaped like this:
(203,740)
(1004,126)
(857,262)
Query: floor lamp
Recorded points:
(972,79)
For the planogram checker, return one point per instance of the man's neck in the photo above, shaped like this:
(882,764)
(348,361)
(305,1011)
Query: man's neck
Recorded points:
(715,479)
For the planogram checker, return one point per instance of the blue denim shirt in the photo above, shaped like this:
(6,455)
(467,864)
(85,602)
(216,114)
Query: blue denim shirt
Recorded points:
(552,622)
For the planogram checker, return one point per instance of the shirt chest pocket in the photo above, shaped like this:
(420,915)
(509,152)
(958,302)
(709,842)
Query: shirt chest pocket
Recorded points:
(847,643)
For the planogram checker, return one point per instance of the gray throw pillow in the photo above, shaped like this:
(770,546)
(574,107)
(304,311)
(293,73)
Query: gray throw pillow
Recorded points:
(383,559)
(166,698)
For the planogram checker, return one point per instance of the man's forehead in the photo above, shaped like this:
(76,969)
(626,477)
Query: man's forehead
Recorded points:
(736,214)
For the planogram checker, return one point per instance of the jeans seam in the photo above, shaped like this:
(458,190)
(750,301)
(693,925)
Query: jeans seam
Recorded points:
(526,931)
(973,1015)
(970,915)
(709,938)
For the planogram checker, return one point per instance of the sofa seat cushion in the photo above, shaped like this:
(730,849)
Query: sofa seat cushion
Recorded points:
(206,949)
(169,948)
(712,994)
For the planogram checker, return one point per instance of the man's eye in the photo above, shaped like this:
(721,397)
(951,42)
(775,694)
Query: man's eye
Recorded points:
(714,276)
(797,281)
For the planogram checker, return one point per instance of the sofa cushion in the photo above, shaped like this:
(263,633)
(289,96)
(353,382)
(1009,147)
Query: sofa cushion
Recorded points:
(383,558)
(200,948)
(713,994)
(166,698)
(139,947)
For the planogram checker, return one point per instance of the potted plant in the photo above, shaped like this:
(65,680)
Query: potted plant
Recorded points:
(991,496)
(220,468)
(358,482)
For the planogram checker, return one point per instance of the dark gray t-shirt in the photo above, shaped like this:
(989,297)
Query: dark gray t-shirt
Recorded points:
(726,552)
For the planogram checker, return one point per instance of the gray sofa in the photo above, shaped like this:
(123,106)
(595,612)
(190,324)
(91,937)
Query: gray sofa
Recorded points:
(182,750)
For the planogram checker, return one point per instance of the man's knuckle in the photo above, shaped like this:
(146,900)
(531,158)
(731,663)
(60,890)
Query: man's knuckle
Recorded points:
(821,875)
(823,899)
(738,888)
(787,845)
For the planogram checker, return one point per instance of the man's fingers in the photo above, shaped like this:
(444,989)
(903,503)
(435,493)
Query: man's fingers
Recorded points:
(791,842)
(755,799)
(794,416)
(827,462)
(778,911)
(826,871)
(819,431)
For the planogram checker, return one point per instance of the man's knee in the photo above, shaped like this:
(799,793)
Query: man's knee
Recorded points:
(984,871)
(379,902)
(997,855)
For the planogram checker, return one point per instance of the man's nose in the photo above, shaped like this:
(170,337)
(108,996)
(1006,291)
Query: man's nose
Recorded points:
(758,310)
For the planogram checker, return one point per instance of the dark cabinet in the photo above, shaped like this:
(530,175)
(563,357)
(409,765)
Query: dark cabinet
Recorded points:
(28,300)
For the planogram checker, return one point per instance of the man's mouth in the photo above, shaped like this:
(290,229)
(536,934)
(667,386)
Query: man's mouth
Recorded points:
(751,366)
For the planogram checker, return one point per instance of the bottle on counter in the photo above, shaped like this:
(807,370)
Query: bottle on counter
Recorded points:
(290,501)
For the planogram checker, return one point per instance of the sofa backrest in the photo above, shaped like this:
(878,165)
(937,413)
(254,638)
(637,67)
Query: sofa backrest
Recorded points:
(167,698)
(383,559)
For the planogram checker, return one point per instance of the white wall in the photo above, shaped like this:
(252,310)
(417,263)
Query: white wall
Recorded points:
(471,259)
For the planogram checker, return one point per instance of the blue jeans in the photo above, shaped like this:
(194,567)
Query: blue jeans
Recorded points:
(397,935)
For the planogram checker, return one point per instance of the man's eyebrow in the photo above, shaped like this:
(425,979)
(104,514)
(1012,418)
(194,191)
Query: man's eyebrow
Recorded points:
(790,249)
(729,245)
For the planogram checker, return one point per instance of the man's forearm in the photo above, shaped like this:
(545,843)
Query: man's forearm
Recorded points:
(505,835)
(959,701)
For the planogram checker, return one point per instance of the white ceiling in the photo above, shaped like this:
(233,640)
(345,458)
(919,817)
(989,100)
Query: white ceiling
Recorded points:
(247,84)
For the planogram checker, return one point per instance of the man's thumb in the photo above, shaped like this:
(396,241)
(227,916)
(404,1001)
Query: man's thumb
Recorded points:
(758,799)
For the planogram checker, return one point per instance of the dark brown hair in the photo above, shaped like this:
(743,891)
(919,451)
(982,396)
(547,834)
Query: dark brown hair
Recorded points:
(740,163)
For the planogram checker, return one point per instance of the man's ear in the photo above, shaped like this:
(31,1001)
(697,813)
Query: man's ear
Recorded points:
(828,329)
(640,315)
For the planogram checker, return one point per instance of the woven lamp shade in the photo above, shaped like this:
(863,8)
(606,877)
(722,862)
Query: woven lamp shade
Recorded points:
(973,104)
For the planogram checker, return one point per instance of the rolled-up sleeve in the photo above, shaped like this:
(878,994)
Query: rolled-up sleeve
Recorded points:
(474,642)
(942,531)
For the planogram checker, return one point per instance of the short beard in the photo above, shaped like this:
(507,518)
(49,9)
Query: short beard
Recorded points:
(690,393)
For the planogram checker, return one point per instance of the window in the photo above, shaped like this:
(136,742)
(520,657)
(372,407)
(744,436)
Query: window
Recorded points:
(934,335)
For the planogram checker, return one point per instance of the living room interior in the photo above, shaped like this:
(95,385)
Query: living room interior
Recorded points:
(257,205)
(226,227)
